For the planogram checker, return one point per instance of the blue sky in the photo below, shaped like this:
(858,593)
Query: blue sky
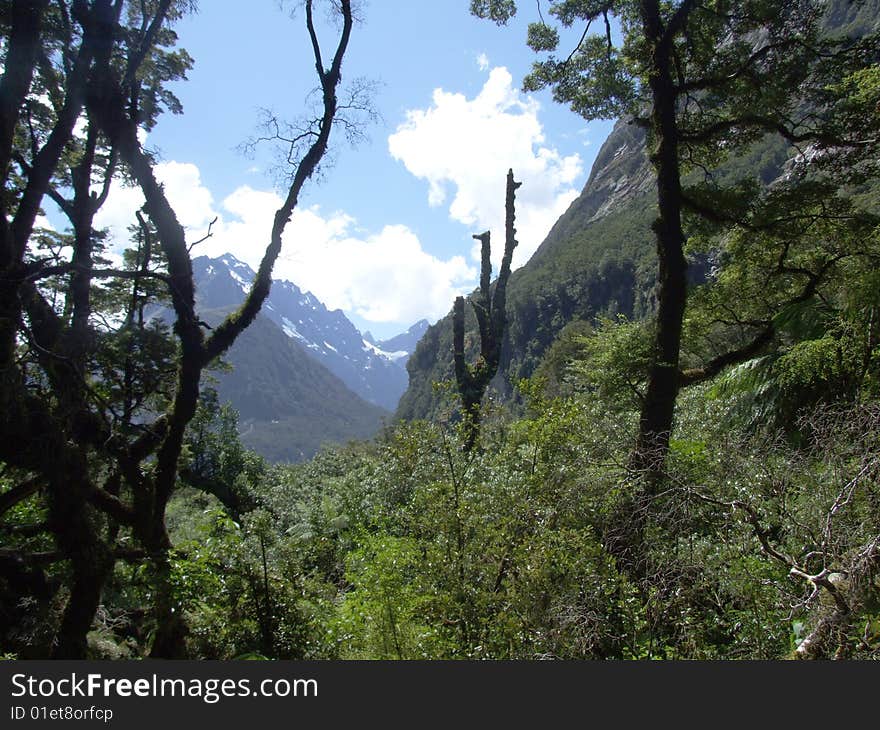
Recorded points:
(385,234)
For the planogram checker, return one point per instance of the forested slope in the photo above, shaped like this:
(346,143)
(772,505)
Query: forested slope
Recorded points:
(597,259)
(539,532)
(289,405)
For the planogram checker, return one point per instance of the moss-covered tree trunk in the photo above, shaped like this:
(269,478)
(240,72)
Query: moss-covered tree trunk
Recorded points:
(100,473)
(658,406)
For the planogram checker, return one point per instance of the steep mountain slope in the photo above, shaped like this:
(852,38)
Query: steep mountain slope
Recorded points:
(289,404)
(327,336)
(597,258)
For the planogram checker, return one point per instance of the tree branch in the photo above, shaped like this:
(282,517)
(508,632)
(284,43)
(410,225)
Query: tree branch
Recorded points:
(226,333)
(23,48)
(717,364)
(19,493)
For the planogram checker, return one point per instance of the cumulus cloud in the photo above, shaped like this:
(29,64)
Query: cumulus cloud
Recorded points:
(463,148)
(483,62)
(383,277)
(182,181)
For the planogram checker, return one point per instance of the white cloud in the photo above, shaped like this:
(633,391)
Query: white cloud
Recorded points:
(469,144)
(483,62)
(383,277)
(461,147)
(41,221)
(191,200)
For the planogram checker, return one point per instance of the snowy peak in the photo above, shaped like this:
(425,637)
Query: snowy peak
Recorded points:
(222,282)
(401,346)
(373,371)
(393,356)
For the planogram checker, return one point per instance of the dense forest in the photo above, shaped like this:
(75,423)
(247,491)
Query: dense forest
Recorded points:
(658,439)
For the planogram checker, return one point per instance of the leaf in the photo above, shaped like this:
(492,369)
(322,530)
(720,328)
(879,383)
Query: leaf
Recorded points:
(807,320)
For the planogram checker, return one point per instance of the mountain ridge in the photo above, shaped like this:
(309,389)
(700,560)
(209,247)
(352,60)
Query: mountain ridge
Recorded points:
(598,258)
(376,375)
(289,405)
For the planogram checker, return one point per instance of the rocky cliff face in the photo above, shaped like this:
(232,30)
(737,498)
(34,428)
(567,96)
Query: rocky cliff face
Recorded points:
(620,173)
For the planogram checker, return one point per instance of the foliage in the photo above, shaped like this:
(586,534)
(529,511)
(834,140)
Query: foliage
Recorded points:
(553,368)
(420,550)
(86,377)
(281,390)
(614,361)
(758,539)
(411,547)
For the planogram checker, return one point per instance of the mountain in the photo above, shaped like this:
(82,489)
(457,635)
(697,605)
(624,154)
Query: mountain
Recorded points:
(401,346)
(289,405)
(597,259)
(371,370)
(301,375)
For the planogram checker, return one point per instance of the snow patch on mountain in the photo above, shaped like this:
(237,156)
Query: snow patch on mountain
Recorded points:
(393,356)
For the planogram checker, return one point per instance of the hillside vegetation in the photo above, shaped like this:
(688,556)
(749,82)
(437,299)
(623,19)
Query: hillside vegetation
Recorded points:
(289,405)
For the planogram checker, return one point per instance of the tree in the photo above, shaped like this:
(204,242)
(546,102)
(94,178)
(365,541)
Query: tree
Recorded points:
(472,380)
(80,80)
(706,80)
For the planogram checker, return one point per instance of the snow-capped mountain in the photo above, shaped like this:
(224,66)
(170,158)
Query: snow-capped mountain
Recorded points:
(375,371)
(400,347)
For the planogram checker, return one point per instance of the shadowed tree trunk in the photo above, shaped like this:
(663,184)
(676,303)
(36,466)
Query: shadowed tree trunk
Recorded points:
(197,351)
(106,470)
(76,526)
(658,405)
